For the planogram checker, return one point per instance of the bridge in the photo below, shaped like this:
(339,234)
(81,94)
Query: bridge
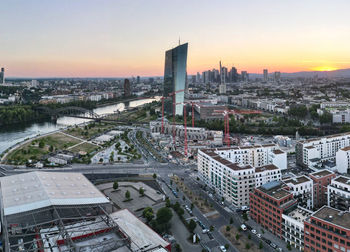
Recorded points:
(70,111)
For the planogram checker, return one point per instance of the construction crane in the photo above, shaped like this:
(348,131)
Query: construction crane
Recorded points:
(226,113)
(185,127)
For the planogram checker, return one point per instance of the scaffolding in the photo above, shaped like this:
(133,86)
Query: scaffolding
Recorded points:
(63,228)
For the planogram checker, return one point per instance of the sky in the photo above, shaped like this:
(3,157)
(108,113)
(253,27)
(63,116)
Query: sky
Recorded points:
(122,38)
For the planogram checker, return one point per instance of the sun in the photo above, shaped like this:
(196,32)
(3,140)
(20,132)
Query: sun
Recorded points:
(324,68)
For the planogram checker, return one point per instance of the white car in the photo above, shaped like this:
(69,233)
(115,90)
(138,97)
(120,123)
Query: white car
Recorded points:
(243,227)
(222,248)
(259,236)
(253,231)
(205,231)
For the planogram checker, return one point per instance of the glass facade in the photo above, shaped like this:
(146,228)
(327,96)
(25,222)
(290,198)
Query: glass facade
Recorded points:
(175,77)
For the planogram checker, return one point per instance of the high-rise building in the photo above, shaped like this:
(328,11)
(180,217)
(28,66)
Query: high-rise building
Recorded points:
(222,87)
(266,75)
(175,78)
(245,76)
(277,76)
(127,89)
(138,79)
(233,75)
(198,77)
(2,76)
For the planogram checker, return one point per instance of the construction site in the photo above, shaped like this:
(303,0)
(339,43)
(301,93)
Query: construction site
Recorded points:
(52,211)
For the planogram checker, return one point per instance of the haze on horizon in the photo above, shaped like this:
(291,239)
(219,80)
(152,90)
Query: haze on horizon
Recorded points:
(106,38)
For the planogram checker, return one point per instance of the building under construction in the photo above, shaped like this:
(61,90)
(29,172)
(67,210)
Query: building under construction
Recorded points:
(53,211)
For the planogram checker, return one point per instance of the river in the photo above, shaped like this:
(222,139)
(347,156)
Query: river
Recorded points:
(11,135)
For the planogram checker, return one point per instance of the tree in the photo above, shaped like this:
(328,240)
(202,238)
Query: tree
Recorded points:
(148,213)
(115,185)
(127,195)
(228,228)
(245,216)
(154,175)
(41,144)
(326,117)
(289,247)
(183,198)
(192,206)
(211,228)
(227,246)
(111,157)
(167,202)
(192,225)
(178,248)
(237,237)
(261,245)
(51,148)
(101,160)
(249,236)
(231,220)
(247,246)
(164,215)
(142,191)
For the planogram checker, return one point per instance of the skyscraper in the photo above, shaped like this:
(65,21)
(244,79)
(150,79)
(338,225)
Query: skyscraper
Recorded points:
(2,76)
(175,77)
(266,75)
(277,76)
(127,89)
(222,86)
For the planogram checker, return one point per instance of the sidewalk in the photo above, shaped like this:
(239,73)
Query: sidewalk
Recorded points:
(268,235)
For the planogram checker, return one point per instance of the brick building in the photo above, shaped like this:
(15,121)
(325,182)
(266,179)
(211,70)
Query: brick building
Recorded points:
(327,230)
(267,204)
(321,180)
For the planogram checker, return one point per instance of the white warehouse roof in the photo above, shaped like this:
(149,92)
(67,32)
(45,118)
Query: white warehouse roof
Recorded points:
(35,190)
(142,236)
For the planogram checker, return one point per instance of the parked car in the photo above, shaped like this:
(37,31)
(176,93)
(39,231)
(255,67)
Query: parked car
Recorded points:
(205,231)
(259,236)
(273,245)
(222,249)
(243,227)
(253,231)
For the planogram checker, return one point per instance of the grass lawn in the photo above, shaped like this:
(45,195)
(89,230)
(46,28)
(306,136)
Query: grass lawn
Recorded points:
(89,131)
(84,147)
(33,151)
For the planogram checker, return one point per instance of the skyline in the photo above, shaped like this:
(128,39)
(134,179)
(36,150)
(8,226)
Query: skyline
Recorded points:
(122,38)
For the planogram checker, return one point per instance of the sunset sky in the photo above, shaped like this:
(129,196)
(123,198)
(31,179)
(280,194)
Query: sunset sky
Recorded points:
(120,38)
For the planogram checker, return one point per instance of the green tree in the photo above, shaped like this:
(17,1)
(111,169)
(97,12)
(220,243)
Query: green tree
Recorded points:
(192,225)
(115,185)
(127,195)
(237,237)
(211,228)
(228,228)
(167,202)
(261,245)
(41,144)
(289,247)
(227,246)
(142,191)
(247,246)
(51,148)
(164,215)
(249,236)
(231,220)
(154,175)
(148,213)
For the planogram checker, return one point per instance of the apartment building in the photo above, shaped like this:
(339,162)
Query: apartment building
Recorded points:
(339,193)
(326,230)
(234,181)
(257,155)
(267,173)
(267,204)
(323,148)
(321,179)
(343,160)
(293,227)
(302,189)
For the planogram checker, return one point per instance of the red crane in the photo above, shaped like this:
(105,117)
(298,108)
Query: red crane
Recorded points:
(185,126)
(226,113)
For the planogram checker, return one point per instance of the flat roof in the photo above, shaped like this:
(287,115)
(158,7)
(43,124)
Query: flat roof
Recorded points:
(274,189)
(141,235)
(277,151)
(321,173)
(269,167)
(343,180)
(346,148)
(35,190)
(297,180)
(333,216)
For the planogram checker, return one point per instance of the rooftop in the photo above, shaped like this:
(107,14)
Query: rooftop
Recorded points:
(297,180)
(333,216)
(343,180)
(321,173)
(300,214)
(278,151)
(142,236)
(269,167)
(346,148)
(34,190)
(274,189)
